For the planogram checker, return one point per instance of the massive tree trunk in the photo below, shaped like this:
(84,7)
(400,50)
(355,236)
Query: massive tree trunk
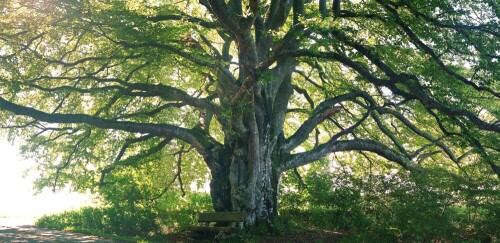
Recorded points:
(239,186)
(246,169)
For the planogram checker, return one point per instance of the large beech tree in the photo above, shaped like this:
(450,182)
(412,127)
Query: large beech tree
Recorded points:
(254,87)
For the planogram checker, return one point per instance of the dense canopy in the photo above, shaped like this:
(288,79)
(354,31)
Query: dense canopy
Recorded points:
(240,91)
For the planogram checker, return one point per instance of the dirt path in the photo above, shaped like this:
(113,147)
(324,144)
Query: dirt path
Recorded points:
(15,230)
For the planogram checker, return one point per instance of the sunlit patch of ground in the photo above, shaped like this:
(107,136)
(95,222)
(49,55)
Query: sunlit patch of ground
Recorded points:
(22,230)
(19,208)
(15,222)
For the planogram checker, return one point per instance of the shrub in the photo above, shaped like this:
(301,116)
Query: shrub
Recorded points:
(137,222)
(171,211)
(178,213)
(395,206)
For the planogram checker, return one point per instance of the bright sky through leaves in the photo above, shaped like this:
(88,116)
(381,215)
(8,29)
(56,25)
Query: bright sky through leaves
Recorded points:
(16,191)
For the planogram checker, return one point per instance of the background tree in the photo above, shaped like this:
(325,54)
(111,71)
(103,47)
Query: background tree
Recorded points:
(255,88)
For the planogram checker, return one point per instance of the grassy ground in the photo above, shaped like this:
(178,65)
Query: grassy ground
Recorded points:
(298,237)
(291,226)
(289,236)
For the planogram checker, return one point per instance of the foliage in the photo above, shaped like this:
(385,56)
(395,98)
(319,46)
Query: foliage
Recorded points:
(136,222)
(390,206)
(394,205)
(170,213)
(134,99)
(178,213)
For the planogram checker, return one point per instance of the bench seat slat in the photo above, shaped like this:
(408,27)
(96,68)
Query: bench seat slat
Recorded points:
(221,217)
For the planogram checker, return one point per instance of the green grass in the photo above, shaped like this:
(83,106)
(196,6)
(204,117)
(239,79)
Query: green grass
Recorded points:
(105,235)
(291,224)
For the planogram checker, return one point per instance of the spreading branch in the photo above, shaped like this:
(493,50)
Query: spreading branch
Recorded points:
(321,151)
(197,139)
(322,111)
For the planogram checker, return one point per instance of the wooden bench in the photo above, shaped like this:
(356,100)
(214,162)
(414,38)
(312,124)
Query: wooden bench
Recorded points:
(231,221)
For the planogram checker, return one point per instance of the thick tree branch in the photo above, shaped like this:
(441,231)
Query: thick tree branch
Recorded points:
(165,92)
(321,151)
(322,112)
(278,13)
(431,52)
(168,93)
(184,17)
(409,81)
(323,8)
(200,141)
(226,16)
(298,10)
